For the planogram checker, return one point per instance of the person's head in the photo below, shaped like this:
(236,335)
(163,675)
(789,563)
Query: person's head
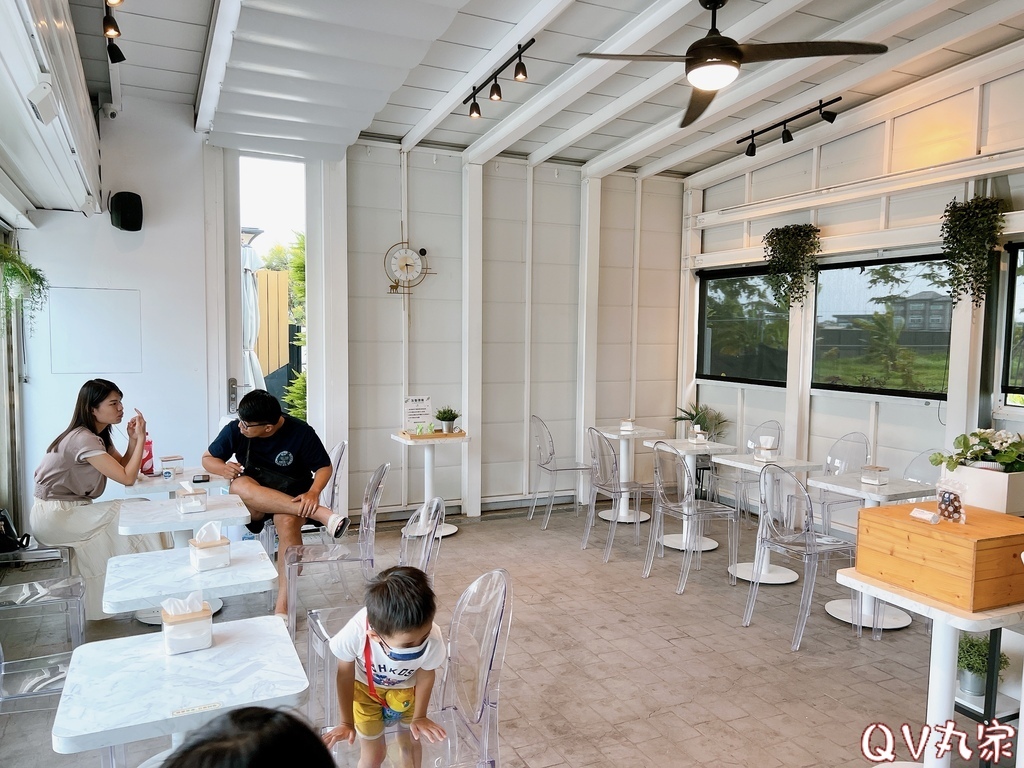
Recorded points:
(400,607)
(258,412)
(98,406)
(252,737)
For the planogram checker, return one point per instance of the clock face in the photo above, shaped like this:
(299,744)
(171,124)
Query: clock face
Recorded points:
(406,265)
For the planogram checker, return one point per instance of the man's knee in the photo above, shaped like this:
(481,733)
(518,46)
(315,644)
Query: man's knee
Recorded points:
(288,525)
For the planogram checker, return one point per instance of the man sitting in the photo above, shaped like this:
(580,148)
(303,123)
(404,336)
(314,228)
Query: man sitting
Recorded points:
(278,466)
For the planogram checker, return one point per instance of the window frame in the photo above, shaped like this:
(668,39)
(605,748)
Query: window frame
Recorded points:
(1015,254)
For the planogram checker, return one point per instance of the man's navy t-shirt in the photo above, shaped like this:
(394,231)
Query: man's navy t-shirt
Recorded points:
(294,450)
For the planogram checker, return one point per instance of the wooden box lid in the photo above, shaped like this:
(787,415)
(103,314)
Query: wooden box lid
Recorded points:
(982,524)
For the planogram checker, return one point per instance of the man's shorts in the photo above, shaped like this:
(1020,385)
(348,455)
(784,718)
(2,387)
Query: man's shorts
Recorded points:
(371,718)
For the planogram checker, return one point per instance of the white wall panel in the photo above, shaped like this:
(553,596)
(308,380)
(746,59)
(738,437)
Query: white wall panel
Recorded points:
(849,218)
(726,194)
(922,206)
(1002,114)
(782,178)
(724,238)
(935,134)
(758,227)
(860,155)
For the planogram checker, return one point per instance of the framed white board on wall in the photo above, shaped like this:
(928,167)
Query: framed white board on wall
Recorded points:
(95,330)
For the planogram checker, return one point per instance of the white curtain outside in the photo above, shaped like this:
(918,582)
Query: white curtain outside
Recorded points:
(250,320)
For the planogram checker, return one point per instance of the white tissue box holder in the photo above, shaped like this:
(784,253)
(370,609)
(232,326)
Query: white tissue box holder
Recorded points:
(627,425)
(186,632)
(190,502)
(207,555)
(766,454)
(174,463)
(874,475)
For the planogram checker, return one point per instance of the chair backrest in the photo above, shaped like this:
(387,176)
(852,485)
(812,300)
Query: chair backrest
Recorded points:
(672,482)
(476,651)
(773,523)
(542,442)
(769,428)
(847,454)
(368,519)
(420,542)
(604,462)
(332,495)
(921,470)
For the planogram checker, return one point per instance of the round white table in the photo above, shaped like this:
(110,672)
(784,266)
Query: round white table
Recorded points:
(625,438)
(427,443)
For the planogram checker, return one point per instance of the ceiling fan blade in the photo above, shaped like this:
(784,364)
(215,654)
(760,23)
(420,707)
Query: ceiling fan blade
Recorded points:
(753,52)
(699,101)
(665,58)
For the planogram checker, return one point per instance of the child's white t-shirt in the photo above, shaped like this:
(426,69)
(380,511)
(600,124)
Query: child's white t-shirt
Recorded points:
(348,645)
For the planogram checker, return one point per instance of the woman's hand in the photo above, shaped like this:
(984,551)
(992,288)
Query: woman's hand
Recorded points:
(338,733)
(137,425)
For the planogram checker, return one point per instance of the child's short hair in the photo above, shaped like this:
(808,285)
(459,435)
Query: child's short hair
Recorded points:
(399,599)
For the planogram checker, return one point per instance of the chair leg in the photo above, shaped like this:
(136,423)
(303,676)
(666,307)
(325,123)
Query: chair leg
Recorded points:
(533,503)
(292,574)
(755,582)
(810,573)
(877,619)
(734,546)
(551,501)
(591,514)
(656,532)
(691,544)
(856,608)
(636,532)
(611,527)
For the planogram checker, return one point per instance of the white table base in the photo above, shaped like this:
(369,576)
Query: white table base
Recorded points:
(627,515)
(842,609)
(678,541)
(772,574)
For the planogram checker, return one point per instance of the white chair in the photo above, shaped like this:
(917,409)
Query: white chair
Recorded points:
(29,685)
(848,454)
(605,478)
(547,463)
(296,558)
(420,543)
(740,483)
(675,497)
(803,543)
(66,595)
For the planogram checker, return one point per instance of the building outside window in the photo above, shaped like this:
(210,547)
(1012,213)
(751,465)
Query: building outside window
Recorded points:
(870,332)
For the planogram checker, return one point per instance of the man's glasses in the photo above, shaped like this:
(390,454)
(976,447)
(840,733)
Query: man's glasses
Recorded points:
(247,426)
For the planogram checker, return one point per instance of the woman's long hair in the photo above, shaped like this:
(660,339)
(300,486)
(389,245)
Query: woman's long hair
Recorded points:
(91,395)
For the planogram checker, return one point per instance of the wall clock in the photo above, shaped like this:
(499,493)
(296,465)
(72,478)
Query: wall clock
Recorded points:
(405,267)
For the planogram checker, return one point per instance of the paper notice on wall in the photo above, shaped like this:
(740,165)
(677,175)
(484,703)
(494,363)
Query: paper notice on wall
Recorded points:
(417,411)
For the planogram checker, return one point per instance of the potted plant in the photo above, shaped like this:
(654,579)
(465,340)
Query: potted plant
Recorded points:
(447,416)
(709,420)
(990,464)
(791,252)
(972,663)
(970,236)
(23,284)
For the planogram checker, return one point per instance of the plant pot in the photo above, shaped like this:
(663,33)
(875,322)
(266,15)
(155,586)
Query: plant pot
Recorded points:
(971,683)
(998,491)
(991,466)
(447,427)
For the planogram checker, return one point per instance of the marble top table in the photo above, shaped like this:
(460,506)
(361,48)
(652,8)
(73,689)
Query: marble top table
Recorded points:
(770,574)
(896,489)
(428,443)
(162,515)
(127,689)
(146,579)
(154,484)
(946,621)
(625,437)
(691,449)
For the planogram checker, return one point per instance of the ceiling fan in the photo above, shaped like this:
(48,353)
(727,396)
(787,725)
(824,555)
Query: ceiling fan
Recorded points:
(714,61)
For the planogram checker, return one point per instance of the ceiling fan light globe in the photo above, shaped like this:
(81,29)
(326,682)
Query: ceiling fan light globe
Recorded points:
(711,75)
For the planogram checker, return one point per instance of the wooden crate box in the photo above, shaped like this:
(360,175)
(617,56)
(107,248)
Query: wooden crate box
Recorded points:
(975,566)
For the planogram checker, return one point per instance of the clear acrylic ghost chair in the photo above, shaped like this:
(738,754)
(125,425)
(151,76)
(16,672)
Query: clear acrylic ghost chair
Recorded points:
(548,464)
(330,497)
(802,542)
(37,598)
(741,483)
(675,497)
(848,454)
(920,470)
(34,553)
(420,544)
(29,685)
(297,558)
(604,478)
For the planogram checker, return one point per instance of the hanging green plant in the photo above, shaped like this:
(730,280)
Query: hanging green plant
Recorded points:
(792,255)
(970,236)
(23,285)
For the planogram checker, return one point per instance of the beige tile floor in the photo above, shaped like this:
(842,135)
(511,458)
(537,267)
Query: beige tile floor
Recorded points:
(607,669)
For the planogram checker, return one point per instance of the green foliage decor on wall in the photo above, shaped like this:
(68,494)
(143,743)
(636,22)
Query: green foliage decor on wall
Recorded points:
(970,236)
(792,255)
(23,285)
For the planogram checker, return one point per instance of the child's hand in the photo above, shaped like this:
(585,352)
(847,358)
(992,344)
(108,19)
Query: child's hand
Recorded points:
(338,733)
(424,726)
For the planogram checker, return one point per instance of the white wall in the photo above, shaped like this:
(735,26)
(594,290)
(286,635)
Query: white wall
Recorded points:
(149,149)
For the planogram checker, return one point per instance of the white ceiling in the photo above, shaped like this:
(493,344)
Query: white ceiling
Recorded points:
(307,77)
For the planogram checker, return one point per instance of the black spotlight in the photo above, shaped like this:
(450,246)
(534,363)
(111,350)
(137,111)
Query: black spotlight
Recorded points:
(110,28)
(474,109)
(787,135)
(495,94)
(827,115)
(114,53)
(520,72)
(751,149)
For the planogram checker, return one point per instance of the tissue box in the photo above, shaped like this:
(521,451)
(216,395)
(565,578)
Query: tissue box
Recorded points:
(187,631)
(207,555)
(766,454)
(874,475)
(191,501)
(174,463)
(627,425)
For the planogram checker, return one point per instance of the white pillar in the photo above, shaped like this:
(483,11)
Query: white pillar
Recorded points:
(472,334)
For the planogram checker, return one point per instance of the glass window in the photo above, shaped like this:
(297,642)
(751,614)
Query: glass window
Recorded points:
(1013,357)
(870,333)
(743,334)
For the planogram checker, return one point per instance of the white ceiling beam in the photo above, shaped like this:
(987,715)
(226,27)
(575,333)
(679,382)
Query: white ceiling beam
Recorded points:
(283,147)
(647,29)
(218,50)
(880,23)
(968,25)
(537,19)
(748,27)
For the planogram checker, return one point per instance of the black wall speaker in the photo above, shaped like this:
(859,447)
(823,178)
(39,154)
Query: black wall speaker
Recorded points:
(126,211)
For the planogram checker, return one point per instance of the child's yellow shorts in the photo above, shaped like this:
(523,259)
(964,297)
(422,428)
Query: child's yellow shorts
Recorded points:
(370,717)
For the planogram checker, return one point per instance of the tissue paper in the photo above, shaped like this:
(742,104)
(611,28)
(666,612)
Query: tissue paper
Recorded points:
(188,624)
(209,550)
